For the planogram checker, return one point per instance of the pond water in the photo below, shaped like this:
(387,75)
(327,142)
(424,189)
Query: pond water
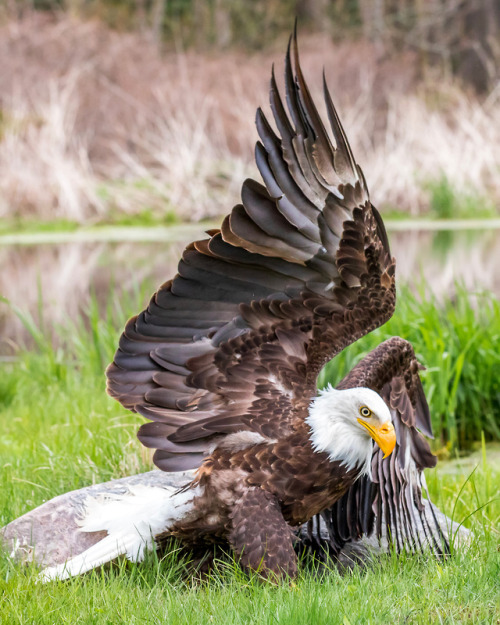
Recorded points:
(55,281)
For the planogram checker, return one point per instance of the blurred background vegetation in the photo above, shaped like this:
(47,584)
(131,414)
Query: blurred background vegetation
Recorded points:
(461,35)
(141,111)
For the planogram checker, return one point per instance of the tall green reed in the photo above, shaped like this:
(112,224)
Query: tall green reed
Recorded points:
(458,341)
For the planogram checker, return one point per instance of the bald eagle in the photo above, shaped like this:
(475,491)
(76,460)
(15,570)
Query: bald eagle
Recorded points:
(224,363)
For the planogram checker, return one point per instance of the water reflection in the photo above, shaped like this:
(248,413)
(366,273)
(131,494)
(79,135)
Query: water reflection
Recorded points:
(442,258)
(54,282)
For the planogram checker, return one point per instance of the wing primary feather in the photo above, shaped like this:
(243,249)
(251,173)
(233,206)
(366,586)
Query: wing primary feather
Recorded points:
(343,157)
(307,106)
(291,94)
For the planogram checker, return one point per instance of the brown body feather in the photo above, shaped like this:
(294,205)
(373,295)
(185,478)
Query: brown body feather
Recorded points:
(225,358)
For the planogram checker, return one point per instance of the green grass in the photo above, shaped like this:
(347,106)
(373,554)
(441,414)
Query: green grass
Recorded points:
(60,432)
(25,224)
(447,203)
(463,590)
(148,217)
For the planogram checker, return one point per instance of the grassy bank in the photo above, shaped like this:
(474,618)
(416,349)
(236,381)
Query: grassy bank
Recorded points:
(19,232)
(60,432)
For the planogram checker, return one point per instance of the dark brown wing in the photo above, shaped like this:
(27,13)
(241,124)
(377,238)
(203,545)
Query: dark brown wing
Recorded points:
(298,271)
(389,502)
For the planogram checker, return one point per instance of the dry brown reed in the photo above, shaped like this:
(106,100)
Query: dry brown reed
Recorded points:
(95,123)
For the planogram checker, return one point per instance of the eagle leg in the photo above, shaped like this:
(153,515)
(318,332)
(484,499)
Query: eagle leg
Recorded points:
(261,537)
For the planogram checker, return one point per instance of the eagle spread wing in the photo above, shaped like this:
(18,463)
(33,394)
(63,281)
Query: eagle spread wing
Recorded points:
(235,341)
(298,271)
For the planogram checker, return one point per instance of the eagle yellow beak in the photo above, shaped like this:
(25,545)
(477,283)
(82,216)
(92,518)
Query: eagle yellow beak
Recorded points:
(384,436)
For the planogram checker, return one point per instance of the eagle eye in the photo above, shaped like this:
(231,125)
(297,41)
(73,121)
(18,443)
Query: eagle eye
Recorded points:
(364,411)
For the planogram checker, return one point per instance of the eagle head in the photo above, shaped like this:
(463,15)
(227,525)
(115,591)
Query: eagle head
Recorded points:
(343,423)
